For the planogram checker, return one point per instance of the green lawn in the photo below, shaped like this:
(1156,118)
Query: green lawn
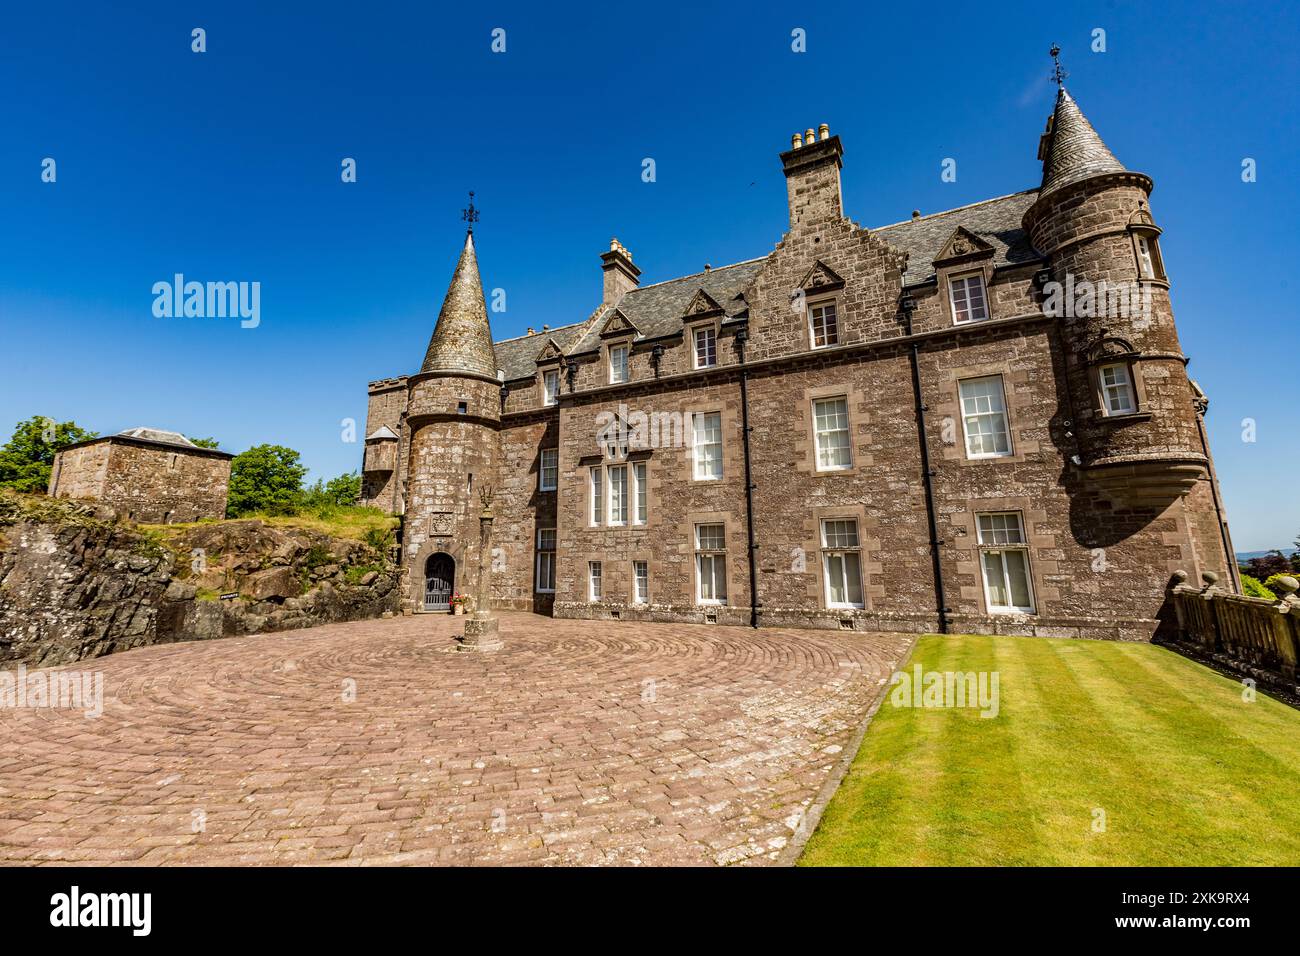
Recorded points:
(1186,772)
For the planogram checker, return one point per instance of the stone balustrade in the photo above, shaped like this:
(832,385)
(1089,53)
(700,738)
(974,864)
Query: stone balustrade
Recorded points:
(1251,635)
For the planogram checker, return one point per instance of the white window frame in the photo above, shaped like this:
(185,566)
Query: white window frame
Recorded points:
(640,498)
(842,549)
(710,336)
(1000,549)
(595,581)
(1124,388)
(964,282)
(1146,258)
(820,434)
(619,369)
(716,558)
(617,487)
(640,582)
(553,454)
(981,415)
(700,420)
(596,494)
(545,563)
(833,338)
(551,393)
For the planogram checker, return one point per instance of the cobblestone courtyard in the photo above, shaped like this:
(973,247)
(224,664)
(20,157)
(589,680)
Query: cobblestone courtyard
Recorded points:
(579,743)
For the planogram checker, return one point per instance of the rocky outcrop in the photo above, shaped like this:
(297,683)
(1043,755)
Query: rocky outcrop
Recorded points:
(76,582)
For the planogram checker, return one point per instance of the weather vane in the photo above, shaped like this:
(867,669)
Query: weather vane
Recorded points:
(470,215)
(1058,74)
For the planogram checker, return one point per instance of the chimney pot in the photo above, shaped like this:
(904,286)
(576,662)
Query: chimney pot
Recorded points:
(796,141)
(824,131)
(531,330)
(707,267)
(546,328)
(808,137)
(916,214)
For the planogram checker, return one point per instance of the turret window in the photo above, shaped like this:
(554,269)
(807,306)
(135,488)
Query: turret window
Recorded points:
(969,303)
(1116,389)
(1148,256)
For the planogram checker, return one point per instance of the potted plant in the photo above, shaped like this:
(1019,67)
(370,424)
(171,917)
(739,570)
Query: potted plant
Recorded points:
(458,601)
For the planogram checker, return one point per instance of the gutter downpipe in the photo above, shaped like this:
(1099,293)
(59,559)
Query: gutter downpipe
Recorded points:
(742,336)
(908,304)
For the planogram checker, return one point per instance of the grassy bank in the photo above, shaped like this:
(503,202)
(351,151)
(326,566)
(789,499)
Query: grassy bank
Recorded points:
(1100,754)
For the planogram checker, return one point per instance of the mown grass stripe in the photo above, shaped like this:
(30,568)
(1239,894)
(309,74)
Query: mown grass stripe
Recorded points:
(1186,773)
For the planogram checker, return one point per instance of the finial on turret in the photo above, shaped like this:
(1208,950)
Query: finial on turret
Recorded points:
(1058,74)
(470,214)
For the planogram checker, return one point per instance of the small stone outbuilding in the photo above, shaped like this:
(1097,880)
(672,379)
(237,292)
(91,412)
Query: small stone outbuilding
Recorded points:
(149,474)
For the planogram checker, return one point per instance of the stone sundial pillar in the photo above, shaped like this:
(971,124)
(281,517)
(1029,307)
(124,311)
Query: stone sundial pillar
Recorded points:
(481,631)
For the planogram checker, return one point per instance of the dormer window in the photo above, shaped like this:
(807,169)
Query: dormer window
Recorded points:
(969,303)
(550,386)
(618,364)
(824,325)
(706,347)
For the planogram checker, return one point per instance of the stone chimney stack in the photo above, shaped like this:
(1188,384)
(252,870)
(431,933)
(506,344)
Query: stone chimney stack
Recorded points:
(621,276)
(812,177)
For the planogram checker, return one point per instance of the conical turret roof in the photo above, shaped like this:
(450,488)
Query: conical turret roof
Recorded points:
(462,339)
(1072,150)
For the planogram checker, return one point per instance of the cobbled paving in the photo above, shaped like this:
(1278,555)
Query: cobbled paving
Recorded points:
(579,742)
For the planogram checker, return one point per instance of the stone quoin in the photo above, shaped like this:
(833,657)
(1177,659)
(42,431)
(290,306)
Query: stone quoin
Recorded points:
(868,429)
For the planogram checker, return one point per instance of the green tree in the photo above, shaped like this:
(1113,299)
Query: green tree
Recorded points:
(26,459)
(205,442)
(342,491)
(345,489)
(265,478)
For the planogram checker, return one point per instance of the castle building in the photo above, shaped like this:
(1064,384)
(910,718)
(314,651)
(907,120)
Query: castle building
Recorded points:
(974,421)
(149,474)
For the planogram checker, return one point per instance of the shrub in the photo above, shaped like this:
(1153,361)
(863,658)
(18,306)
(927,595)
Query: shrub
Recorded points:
(1251,587)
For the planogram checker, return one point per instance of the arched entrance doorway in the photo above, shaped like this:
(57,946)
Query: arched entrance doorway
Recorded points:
(439,578)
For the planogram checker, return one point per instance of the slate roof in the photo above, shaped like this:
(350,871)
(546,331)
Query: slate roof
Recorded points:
(1074,150)
(996,221)
(656,310)
(462,339)
(517,357)
(159,435)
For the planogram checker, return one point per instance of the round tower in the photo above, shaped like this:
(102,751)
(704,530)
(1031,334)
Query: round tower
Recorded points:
(1134,416)
(452,426)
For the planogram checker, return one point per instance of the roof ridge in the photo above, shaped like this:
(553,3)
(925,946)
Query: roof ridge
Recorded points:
(692,275)
(945,212)
(537,335)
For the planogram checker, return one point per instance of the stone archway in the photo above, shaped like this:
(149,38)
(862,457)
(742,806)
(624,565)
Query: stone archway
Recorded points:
(439,581)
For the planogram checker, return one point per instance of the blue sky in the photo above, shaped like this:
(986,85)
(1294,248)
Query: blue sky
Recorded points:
(225,165)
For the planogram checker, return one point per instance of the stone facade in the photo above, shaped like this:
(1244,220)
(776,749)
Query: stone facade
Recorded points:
(1058,456)
(149,475)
